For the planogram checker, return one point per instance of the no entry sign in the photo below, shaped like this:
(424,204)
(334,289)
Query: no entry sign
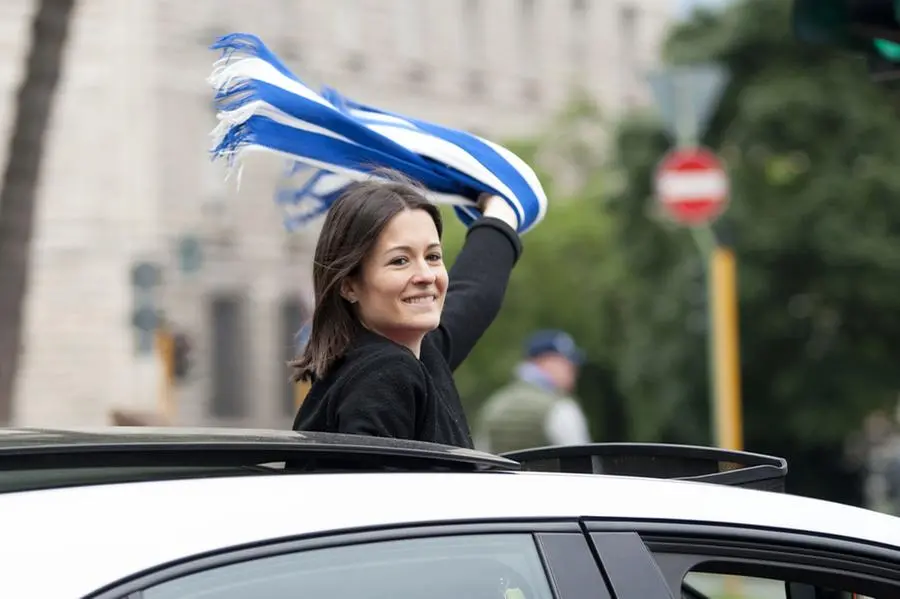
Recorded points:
(692,186)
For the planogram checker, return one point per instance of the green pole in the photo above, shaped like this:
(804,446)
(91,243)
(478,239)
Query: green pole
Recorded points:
(705,239)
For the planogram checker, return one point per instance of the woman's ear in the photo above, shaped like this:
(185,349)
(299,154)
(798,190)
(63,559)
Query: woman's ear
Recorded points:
(348,291)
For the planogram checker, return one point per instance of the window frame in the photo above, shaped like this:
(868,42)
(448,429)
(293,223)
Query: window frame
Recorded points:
(565,554)
(631,571)
(678,548)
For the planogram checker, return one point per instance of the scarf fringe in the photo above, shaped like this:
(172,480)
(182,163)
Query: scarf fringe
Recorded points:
(244,61)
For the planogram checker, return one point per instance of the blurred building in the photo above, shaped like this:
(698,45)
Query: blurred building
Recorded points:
(126,180)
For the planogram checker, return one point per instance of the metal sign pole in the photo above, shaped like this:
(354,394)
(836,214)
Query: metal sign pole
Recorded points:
(686,97)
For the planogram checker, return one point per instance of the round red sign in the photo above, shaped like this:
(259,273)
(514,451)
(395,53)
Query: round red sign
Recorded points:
(692,186)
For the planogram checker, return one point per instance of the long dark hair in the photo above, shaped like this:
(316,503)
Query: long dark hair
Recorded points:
(350,231)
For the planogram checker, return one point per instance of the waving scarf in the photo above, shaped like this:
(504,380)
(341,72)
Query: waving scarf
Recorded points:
(329,140)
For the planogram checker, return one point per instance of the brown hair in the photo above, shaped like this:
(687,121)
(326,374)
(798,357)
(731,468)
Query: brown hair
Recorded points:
(351,229)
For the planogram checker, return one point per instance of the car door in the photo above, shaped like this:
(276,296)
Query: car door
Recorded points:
(473,561)
(699,561)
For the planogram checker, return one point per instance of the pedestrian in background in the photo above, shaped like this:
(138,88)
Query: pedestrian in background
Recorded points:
(537,408)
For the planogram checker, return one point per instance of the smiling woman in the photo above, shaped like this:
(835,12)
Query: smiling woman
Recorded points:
(401,288)
(390,325)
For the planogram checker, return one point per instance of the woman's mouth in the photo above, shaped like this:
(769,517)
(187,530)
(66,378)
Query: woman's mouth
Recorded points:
(420,299)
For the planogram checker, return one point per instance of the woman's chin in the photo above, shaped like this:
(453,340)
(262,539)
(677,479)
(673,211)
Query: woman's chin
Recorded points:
(423,323)
(426,325)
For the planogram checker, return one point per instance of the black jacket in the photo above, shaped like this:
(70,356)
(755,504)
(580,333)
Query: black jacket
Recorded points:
(379,388)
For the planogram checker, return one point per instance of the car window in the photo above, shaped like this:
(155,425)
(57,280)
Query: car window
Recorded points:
(499,566)
(700,584)
(712,562)
(703,585)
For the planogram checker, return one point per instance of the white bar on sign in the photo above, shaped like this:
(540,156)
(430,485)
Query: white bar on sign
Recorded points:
(691,185)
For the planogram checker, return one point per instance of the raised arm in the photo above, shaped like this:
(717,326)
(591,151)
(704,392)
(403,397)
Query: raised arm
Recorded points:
(478,281)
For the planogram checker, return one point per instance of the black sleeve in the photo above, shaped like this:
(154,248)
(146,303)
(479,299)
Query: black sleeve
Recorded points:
(381,398)
(478,282)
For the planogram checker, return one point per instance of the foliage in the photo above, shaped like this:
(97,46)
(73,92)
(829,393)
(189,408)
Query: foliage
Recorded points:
(812,147)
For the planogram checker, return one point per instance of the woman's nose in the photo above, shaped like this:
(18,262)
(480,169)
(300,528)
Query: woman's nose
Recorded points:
(425,275)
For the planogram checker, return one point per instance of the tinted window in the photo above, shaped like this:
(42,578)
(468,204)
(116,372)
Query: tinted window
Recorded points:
(775,574)
(699,585)
(503,566)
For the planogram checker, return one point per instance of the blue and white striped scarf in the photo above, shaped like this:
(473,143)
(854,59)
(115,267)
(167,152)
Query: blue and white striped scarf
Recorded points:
(330,141)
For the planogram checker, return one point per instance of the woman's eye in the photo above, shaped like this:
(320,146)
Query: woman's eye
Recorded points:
(434,257)
(399,261)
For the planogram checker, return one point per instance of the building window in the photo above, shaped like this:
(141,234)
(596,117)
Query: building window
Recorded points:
(527,32)
(527,38)
(348,32)
(355,63)
(630,46)
(228,351)
(291,318)
(473,45)
(475,83)
(531,90)
(412,39)
(580,26)
(286,18)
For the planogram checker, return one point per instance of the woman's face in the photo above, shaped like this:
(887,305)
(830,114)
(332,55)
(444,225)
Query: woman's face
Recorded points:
(403,282)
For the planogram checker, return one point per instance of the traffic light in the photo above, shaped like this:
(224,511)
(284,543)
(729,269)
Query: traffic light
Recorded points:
(870,28)
(181,356)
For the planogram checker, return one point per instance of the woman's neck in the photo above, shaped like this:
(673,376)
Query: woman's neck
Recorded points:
(411,342)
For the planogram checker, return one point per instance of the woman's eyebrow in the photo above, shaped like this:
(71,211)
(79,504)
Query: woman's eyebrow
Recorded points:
(407,248)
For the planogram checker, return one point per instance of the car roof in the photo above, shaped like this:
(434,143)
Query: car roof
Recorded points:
(96,534)
(123,435)
(49,458)
(114,501)
(19,442)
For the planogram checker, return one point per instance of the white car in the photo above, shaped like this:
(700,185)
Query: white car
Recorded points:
(142,513)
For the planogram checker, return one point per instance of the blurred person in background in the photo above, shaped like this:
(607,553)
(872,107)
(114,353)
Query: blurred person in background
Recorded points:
(874,452)
(882,463)
(537,408)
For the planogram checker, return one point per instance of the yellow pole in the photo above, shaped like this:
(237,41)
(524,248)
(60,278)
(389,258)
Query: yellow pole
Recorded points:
(165,345)
(300,390)
(727,362)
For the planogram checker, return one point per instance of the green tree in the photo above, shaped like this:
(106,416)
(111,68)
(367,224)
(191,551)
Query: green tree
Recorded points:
(813,151)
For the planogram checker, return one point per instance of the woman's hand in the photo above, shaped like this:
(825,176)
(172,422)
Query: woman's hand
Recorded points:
(496,207)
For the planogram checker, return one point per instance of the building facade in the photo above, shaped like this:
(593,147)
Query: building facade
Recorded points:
(127,180)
